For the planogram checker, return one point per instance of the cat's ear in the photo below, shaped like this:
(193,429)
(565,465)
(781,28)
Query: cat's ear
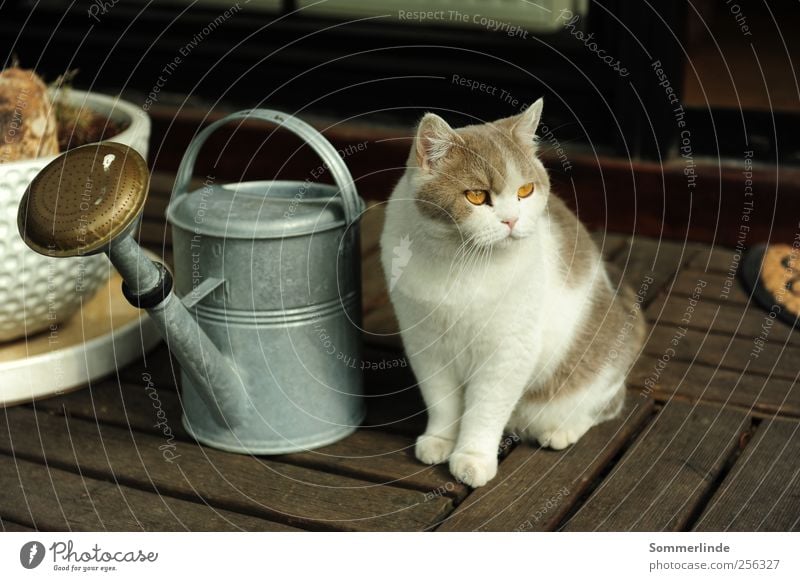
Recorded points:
(434,140)
(525,127)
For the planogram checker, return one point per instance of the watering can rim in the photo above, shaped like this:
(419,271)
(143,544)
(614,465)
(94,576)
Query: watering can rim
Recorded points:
(180,212)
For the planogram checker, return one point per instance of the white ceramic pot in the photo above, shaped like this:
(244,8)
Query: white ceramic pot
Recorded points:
(38,291)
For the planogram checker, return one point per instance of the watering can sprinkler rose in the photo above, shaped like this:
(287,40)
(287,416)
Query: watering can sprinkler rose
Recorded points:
(258,267)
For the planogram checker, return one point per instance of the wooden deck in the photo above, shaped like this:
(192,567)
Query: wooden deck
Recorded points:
(708,439)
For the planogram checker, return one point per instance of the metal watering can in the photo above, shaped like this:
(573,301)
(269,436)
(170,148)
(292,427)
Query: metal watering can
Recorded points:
(267,327)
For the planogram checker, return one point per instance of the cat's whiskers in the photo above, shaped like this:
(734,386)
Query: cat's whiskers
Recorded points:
(469,260)
(462,249)
(481,259)
(463,252)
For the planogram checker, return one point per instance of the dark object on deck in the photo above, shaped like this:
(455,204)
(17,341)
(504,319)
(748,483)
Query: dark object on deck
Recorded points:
(769,272)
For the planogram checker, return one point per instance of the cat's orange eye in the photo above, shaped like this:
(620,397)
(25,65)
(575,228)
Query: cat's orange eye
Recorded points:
(477,197)
(525,190)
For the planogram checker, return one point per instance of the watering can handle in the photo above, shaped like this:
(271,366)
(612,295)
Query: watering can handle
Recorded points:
(306,132)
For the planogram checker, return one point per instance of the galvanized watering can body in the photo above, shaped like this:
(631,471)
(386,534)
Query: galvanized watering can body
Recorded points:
(270,270)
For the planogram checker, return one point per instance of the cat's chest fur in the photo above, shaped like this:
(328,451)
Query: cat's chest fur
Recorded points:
(464,310)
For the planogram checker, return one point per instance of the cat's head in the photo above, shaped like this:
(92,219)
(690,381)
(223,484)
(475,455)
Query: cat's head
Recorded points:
(481,182)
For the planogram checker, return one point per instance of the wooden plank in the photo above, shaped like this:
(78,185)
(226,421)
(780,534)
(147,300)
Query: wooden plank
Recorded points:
(649,264)
(257,486)
(8,526)
(762,491)
(383,458)
(717,258)
(609,243)
(757,394)
(49,499)
(375,455)
(662,479)
(534,488)
(719,288)
(719,317)
(158,366)
(772,358)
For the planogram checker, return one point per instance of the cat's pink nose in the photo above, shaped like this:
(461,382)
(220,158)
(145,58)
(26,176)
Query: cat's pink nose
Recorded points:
(511,222)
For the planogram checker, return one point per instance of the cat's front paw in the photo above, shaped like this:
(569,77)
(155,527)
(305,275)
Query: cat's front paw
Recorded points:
(433,449)
(473,469)
(560,439)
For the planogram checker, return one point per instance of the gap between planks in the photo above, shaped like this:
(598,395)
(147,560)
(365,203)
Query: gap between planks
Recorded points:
(535,487)
(47,498)
(251,486)
(373,455)
(761,492)
(665,476)
(723,352)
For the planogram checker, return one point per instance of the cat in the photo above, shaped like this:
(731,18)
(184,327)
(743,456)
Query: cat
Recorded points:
(507,313)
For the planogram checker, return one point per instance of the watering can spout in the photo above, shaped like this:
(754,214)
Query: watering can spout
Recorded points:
(148,285)
(95,194)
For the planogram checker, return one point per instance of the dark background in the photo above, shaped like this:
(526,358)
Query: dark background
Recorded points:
(739,92)
(380,69)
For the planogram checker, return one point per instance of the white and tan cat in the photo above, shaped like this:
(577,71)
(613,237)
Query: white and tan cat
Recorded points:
(507,313)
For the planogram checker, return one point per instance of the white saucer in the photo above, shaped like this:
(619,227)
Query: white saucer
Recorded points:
(105,334)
